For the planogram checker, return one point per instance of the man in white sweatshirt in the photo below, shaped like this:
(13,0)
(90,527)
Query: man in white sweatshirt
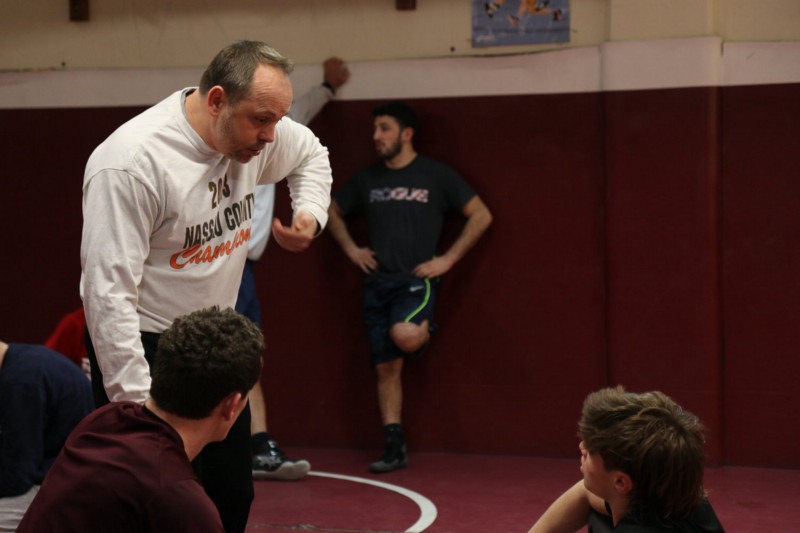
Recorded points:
(168,203)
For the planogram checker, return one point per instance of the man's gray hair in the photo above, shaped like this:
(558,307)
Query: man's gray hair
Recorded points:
(233,67)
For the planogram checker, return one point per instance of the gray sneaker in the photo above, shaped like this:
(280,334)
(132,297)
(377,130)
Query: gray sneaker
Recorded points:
(273,464)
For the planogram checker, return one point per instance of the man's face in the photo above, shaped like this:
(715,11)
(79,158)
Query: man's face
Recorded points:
(241,131)
(595,476)
(387,137)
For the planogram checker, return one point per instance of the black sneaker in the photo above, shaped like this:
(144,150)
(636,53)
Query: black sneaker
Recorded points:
(396,457)
(273,464)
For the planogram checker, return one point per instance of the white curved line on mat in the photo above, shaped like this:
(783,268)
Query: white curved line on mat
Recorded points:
(427,510)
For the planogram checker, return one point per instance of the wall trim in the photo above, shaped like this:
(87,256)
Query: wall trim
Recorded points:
(634,65)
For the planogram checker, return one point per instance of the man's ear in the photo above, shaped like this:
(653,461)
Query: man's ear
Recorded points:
(232,405)
(407,134)
(216,99)
(623,483)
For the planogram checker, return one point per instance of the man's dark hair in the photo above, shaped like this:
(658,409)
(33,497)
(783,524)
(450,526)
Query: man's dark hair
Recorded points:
(652,439)
(233,67)
(202,358)
(400,111)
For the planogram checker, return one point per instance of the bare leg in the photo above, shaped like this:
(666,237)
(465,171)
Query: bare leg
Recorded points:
(390,400)
(409,338)
(390,390)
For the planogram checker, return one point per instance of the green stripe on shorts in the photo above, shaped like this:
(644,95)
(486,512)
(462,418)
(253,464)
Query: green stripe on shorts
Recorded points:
(424,302)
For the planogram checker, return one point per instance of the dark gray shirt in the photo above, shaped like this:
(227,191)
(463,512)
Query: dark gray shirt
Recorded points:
(404,209)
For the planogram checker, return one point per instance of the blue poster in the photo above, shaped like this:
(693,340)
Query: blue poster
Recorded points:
(509,22)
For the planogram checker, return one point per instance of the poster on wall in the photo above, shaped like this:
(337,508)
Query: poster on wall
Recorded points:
(510,22)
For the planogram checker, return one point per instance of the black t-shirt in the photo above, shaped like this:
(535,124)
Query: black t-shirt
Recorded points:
(702,520)
(404,209)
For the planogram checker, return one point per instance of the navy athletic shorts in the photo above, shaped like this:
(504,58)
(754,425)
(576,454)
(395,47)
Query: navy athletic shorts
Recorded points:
(391,301)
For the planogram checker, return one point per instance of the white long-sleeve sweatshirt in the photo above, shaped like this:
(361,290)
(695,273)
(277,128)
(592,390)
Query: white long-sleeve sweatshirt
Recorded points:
(167,225)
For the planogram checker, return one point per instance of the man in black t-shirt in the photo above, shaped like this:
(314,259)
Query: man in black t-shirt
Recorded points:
(404,199)
(642,459)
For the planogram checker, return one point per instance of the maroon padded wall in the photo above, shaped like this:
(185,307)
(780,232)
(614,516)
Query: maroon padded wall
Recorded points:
(45,151)
(521,339)
(642,237)
(663,247)
(761,206)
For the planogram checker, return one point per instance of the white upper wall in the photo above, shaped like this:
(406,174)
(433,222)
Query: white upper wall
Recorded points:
(37,34)
(135,52)
(613,66)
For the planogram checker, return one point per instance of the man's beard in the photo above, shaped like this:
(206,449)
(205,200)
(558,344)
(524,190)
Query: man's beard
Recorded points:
(392,152)
(230,145)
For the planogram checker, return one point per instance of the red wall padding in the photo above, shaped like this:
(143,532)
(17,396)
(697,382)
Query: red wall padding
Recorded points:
(643,237)
(663,247)
(45,152)
(761,267)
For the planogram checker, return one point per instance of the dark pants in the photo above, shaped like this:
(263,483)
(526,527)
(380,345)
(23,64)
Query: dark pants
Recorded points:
(224,468)
(247,302)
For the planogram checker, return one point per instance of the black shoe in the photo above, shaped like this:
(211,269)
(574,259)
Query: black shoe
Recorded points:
(395,458)
(273,464)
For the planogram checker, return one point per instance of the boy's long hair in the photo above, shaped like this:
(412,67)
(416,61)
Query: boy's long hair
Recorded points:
(653,440)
